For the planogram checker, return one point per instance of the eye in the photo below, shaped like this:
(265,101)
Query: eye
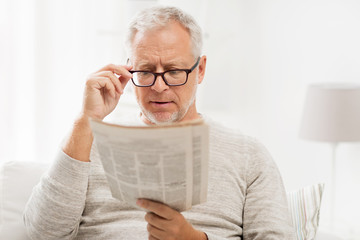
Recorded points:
(174,72)
(144,74)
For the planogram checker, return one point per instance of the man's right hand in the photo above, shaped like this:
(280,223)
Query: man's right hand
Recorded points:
(102,93)
(103,90)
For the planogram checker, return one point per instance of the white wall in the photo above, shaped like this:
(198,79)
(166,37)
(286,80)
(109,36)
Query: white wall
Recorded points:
(262,54)
(16,80)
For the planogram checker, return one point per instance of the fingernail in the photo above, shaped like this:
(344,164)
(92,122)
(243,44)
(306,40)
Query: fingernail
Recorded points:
(139,202)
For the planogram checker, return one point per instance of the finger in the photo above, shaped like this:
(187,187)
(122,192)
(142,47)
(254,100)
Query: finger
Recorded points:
(159,209)
(113,78)
(103,83)
(155,232)
(124,81)
(121,70)
(152,238)
(156,221)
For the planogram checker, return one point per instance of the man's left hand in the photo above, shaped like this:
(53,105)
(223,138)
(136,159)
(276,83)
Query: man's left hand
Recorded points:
(165,223)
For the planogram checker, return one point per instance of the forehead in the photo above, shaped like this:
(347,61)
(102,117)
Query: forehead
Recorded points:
(168,43)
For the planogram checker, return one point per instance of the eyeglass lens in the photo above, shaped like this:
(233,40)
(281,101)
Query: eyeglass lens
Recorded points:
(175,77)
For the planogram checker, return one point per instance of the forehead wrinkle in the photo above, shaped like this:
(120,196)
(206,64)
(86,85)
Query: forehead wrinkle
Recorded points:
(152,60)
(155,54)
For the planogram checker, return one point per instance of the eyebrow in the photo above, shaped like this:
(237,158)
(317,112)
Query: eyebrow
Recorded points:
(177,64)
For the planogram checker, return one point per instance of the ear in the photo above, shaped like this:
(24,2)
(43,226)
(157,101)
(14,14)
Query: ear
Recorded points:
(202,67)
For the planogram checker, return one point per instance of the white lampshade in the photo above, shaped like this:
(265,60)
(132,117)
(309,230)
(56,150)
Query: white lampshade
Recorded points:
(332,113)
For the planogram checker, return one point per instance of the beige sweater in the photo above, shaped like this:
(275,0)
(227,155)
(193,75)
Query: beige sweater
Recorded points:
(246,198)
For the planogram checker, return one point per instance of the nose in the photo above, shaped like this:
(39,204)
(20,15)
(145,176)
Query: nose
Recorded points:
(159,85)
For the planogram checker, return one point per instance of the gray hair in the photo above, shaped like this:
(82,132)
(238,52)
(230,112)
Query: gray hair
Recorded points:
(158,16)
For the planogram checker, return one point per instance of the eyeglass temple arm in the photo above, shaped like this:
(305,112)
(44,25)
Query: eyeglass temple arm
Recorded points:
(196,64)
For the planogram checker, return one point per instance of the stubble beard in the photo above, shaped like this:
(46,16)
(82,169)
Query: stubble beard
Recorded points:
(174,117)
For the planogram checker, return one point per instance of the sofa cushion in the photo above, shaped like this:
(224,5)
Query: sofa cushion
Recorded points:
(304,205)
(16,182)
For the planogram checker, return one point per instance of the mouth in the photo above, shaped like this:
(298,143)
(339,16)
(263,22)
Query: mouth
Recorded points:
(161,104)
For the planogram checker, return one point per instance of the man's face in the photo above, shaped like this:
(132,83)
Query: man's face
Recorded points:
(159,50)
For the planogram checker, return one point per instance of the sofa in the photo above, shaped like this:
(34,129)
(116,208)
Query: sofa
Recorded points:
(18,178)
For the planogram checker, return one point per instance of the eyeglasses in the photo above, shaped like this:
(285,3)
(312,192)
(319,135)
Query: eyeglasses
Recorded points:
(175,77)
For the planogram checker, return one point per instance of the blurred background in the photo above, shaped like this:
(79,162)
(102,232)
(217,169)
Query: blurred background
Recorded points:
(262,55)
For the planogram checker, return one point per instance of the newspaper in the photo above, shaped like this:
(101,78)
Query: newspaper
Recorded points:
(168,164)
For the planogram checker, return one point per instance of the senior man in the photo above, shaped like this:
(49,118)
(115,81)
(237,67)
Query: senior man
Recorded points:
(246,197)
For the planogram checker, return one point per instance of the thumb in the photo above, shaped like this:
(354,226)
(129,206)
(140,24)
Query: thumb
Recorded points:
(128,67)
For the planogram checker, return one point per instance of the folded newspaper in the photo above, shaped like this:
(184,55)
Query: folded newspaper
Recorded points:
(168,164)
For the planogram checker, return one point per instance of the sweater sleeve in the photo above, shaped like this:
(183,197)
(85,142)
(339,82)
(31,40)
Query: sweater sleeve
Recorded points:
(55,207)
(211,236)
(266,214)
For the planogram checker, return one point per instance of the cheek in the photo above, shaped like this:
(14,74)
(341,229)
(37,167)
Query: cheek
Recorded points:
(191,89)
(139,93)
(186,94)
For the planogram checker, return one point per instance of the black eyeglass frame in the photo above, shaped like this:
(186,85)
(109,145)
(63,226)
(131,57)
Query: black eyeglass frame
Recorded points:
(188,71)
